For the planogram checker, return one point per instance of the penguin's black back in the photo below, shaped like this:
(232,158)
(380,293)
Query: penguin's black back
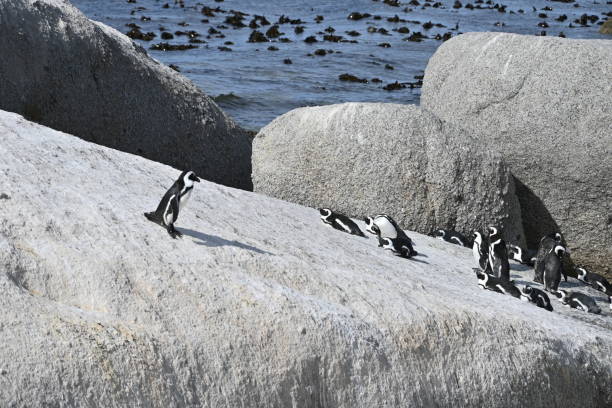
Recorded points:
(599,282)
(553,267)
(500,260)
(547,243)
(585,300)
(355,230)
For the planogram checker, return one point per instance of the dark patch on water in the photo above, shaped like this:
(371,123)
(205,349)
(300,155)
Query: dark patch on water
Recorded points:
(265,84)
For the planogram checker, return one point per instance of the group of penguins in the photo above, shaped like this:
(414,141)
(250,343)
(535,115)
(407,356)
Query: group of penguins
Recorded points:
(490,251)
(492,255)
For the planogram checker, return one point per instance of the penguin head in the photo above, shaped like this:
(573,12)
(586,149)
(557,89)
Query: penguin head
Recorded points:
(493,231)
(561,294)
(558,237)
(387,243)
(375,230)
(581,272)
(440,234)
(325,212)
(527,289)
(370,226)
(559,250)
(188,178)
(482,277)
(477,237)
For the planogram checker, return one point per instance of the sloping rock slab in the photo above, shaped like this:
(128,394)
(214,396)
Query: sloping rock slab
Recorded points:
(260,304)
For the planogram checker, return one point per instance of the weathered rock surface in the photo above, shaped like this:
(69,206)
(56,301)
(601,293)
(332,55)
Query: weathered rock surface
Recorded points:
(546,103)
(259,304)
(82,77)
(364,159)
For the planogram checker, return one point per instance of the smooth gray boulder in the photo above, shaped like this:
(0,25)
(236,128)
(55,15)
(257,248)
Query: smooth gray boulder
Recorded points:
(65,71)
(363,159)
(259,304)
(546,104)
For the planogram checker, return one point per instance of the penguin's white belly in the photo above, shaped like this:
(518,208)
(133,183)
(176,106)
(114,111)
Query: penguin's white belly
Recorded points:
(476,254)
(387,230)
(184,199)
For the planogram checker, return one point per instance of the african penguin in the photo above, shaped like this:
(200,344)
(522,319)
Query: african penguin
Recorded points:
(480,251)
(399,247)
(385,226)
(595,280)
(498,255)
(537,296)
(340,222)
(453,237)
(578,300)
(553,267)
(172,202)
(523,256)
(547,243)
(486,281)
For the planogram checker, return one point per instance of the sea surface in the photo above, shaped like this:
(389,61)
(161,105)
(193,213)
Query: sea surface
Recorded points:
(254,84)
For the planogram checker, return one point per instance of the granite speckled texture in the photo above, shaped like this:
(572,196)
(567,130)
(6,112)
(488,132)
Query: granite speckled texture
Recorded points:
(60,69)
(364,159)
(545,104)
(259,304)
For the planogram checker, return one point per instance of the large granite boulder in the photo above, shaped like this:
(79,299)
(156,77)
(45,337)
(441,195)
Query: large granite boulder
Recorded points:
(259,304)
(546,104)
(63,70)
(364,159)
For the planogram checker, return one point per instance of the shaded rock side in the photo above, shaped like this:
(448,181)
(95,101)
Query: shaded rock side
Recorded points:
(63,70)
(364,159)
(259,304)
(546,104)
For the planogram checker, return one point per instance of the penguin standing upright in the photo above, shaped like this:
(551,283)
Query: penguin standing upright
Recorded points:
(547,243)
(176,197)
(340,222)
(480,251)
(553,267)
(498,255)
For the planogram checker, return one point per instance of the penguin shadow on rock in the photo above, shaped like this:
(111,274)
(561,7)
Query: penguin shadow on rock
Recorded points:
(538,222)
(520,267)
(212,241)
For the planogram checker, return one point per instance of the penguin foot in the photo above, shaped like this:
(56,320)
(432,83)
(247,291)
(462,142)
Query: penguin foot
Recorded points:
(173,232)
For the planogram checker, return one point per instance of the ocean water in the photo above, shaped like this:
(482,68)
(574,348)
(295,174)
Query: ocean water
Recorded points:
(251,81)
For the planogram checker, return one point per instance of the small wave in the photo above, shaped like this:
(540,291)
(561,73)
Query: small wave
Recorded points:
(230,99)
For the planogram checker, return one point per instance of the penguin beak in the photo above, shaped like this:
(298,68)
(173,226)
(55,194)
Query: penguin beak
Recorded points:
(195,178)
